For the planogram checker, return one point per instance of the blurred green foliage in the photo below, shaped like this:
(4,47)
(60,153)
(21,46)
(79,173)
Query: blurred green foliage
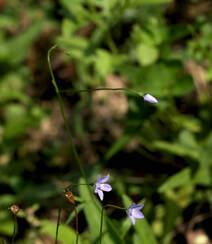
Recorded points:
(162,153)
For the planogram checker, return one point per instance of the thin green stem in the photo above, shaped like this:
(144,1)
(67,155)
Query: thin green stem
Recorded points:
(14,229)
(77,223)
(102,215)
(114,206)
(127,90)
(58,224)
(101,224)
(71,185)
(60,100)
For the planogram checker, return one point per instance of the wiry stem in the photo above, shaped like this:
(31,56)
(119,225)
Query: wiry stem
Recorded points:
(127,90)
(102,215)
(101,224)
(60,100)
(58,223)
(77,228)
(14,229)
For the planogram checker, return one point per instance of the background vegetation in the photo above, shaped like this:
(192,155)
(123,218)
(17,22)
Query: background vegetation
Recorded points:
(161,153)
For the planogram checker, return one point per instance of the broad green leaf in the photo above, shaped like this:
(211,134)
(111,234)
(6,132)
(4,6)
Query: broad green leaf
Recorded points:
(203,176)
(188,122)
(103,62)
(150,1)
(66,233)
(176,149)
(15,50)
(7,224)
(179,179)
(187,139)
(142,227)
(206,159)
(146,54)
(173,211)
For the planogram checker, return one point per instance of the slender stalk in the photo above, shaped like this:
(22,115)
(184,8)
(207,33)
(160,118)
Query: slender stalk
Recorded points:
(114,206)
(127,90)
(60,100)
(69,186)
(77,228)
(58,223)
(101,224)
(14,229)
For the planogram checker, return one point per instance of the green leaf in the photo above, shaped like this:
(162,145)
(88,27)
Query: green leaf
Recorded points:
(154,1)
(206,159)
(187,139)
(7,224)
(103,62)
(188,122)
(203,176)
(179,179)
(66,234)
(146,54)
(142,227)
(15,50)
(176,149)
(173,210)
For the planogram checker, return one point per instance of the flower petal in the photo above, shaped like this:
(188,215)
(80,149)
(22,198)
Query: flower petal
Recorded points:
(99,178)
(138,207)
(105,179)
(106,187)
(150,99)
(101,195)
(96,189)
(133,205)
(132,218)
(137,214)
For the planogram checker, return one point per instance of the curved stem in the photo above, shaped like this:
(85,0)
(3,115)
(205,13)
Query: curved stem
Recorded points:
(58,223)
(102,215)
(127,90)
(14,229)
(114,206)
(101,225)
(63,114)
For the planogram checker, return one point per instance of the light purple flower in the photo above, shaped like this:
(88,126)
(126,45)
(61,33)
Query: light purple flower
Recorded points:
(134,213)
(100,186)
(150,99)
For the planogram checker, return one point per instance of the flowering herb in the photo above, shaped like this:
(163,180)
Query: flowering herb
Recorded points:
(134,213)
(100,186)
(150,99)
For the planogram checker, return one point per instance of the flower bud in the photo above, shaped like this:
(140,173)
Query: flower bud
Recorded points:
(150,99)
(14,209)
(70,196)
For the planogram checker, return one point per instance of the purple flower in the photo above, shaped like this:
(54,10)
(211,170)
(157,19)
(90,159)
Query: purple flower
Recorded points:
(134,213)
(100,186)
(150,99)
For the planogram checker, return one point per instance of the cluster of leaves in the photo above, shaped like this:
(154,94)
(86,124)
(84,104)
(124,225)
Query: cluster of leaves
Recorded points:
(170,164)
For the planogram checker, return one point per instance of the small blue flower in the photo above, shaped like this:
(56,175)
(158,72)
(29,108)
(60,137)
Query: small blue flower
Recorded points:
(150,99)
(100,186)
(134,213)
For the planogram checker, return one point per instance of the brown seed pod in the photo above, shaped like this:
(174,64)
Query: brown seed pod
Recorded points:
(70,196)
(14,209)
